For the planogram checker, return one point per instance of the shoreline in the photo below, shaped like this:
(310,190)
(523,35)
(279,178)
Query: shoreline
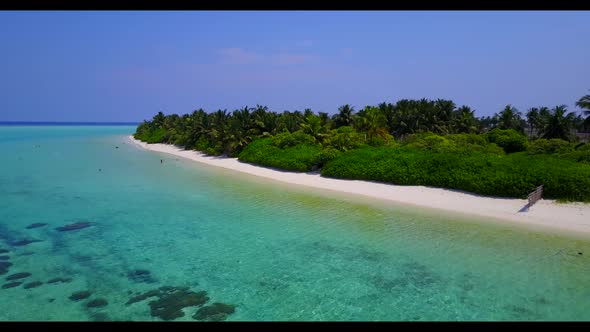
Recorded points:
(573,218)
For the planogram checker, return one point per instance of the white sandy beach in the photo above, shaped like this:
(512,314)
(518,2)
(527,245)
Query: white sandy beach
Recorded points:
(570,218)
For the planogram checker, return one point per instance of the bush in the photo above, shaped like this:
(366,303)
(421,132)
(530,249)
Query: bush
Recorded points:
(284,140)
(508,139)
(455,143)
(157,136)
(381,140)
(514,175)
(428,141)
(210,151)
(202,144)
(549,146)
(344,138)
(302,157)
(326,155)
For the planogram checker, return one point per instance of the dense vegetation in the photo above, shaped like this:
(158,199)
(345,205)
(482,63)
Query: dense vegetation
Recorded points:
(411,142)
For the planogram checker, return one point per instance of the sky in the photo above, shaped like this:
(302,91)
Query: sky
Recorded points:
(128,65)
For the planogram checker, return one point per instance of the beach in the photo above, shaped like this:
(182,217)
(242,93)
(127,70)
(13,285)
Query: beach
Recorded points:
(571,218)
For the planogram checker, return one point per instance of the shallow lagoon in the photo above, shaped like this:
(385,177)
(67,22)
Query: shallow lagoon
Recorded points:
(276,252)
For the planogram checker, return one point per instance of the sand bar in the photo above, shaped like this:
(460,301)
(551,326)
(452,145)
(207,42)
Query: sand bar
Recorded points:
(570,217)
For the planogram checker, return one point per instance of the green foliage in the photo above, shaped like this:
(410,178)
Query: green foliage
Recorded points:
(549,146)
(211,152)
(561,149)
(454,143)
(287,139)
(428,141)
(302,157)
(514,175)
(157,136)
(344,138)
(438,146)
(508,139)
(327,155)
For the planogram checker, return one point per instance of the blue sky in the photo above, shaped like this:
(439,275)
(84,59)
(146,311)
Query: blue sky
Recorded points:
(128,65)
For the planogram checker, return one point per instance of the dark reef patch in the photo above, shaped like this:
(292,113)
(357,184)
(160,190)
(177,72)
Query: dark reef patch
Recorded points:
(5,264)
(412,274)
(143,296)
(18,276)
(81,295)
(4,267)
(12,284)
(520,312)
(140,276)
(74,226)
(170,304)
(33,284)
(3,251)
(386,284)
(36,225)
(541,300)
(171,300)
(97,303)
(59,279)
(215,312)
(4,258)
(420,275)
(24,242)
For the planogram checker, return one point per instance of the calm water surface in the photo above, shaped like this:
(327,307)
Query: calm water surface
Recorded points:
(276,252)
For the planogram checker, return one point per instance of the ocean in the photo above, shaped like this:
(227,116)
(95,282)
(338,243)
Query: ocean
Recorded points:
(93,228)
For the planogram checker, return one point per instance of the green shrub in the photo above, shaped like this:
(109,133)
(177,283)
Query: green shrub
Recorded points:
(508,139)
(157,136)
(344,138)
(202,144)
(514,175)
(326,155)
(549,146)
(428,141)
(211,152)
(287,139)
(456,143)
(380,141)
(467,139)
(263,152)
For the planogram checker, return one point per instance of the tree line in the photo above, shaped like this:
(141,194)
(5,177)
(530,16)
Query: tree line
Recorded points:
(223,132)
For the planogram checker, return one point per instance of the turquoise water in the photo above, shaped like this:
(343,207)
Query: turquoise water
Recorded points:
(276,252)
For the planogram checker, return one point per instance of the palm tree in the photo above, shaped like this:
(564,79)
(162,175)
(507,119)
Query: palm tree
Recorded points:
(345,116)
(158,119)
(313,127)
(584,104)
(375,122)
(533,119)
(325,118)
(559,124)
(510,118)
(464,120)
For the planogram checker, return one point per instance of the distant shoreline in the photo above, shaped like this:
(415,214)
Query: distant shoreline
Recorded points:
(571,218)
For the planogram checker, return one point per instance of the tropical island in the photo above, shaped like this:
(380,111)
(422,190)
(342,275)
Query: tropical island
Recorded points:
(412,142)
(417,152)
